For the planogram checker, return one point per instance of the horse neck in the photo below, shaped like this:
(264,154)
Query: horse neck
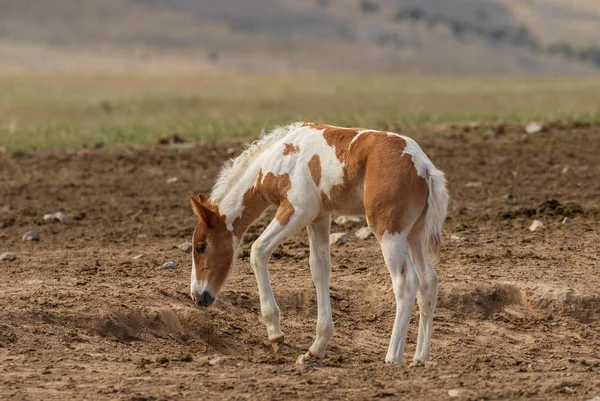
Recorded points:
(243,203)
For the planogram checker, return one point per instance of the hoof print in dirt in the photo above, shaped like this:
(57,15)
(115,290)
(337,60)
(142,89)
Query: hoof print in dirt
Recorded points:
(30,236)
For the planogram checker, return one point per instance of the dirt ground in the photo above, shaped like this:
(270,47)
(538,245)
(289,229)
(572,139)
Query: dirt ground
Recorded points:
(84,318)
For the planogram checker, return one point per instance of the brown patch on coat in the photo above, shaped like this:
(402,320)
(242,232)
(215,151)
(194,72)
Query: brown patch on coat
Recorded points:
(290,148)
(337,137)
(214,264)
(394,197)
(254,204)
(268,189)
(314,166)
(275,188)
(392,192)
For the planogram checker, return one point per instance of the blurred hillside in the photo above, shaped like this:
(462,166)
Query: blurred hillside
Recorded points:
(409,36)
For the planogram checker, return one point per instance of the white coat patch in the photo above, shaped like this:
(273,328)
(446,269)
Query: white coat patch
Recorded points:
(419,158)
(309,142)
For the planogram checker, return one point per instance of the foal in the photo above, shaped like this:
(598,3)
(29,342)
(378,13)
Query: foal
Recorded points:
(310,172)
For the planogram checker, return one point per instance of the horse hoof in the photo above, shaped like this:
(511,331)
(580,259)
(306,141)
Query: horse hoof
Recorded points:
(275,346)
(303,358)
(426,364)
(276,342)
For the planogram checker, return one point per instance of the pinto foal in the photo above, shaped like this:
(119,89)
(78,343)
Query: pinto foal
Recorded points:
(310,172)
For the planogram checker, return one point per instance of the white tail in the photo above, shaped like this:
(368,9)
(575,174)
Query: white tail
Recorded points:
(437,209)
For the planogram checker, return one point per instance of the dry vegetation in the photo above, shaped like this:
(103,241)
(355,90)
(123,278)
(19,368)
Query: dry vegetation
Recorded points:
(54,110)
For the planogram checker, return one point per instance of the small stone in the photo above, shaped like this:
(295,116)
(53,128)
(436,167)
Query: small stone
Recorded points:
(136,257)
(533,127)
(454,393)
(338,239)
(216,361)
(473,184)
(56,217)
(343,220)
(455,237)
(567,220)
(172,180)
(169,265)
(364,233)
(536,225)
(186,247)
(8,256)
(458,209)
(565,169)
(509,198)
(31,236)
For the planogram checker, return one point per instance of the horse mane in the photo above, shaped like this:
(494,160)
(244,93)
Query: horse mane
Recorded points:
(233,167)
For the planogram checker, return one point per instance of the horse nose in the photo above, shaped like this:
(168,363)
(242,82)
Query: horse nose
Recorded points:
(204,299)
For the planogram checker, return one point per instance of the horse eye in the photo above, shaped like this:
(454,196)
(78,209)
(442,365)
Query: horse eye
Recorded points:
(201,248)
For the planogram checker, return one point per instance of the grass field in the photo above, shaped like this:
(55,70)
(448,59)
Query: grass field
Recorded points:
(43,111)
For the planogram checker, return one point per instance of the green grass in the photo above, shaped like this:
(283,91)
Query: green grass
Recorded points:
(46,111)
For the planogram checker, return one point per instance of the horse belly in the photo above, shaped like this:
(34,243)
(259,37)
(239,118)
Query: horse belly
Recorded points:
(348,201)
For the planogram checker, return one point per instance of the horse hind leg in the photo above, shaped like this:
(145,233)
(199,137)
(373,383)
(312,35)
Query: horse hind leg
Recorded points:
(404,284)
(320,268)
(426,293)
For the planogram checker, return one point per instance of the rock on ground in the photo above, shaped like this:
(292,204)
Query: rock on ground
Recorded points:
(8,256)
(31,236)
(186,247)
(169,265)
(364,233)
(343,220)
(533,127)
(536,225)
(338,239)
(58,216)
(216,361)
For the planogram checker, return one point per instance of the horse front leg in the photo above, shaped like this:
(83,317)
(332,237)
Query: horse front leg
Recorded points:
(261,250)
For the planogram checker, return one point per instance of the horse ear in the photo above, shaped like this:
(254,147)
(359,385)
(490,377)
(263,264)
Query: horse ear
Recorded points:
(200,209)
